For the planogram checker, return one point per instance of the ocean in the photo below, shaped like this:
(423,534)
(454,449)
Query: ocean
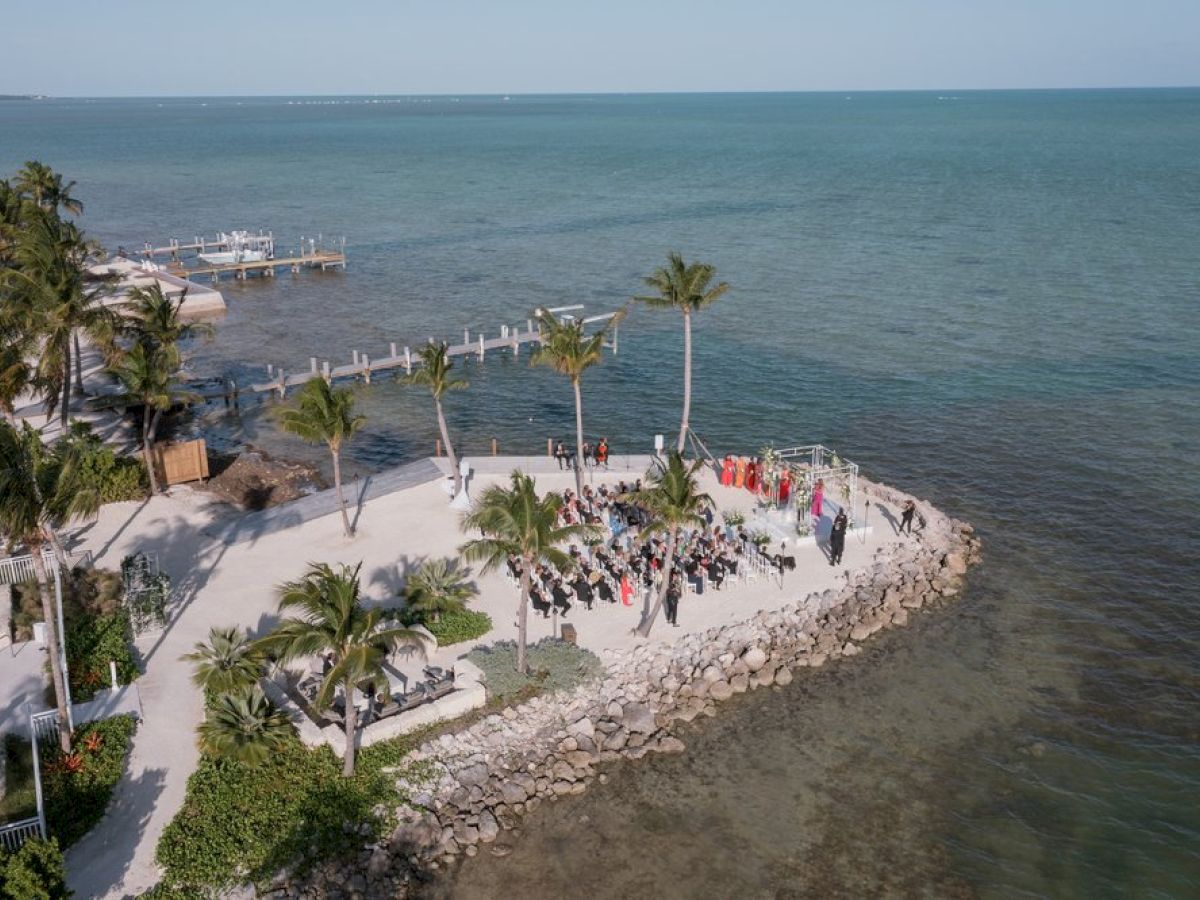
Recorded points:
(991,299)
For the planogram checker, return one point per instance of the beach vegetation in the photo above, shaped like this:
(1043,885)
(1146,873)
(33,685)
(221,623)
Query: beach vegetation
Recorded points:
(568,351)
(673,499)
(227,662)
(331,621)
(437,587)
(436,373)
(243,725)
(34,872)
(553,665)
(322,414)
(515,522)
(688,288)
(459,626)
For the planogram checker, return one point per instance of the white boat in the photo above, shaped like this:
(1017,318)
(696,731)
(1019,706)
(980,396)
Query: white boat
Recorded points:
(226,257)
(240,247)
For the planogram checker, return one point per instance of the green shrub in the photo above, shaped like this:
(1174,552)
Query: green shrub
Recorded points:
(20,796)
(116,478)
(458,626)
(554,665)
(244,823)
(85,592)
(92,641)
(76,789)
(35,872)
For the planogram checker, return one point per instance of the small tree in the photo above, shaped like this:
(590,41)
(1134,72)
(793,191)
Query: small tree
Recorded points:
(434,373)
(515,521)
(672,498)
(34,872)
(688,288)
(227,663)
(568,351)
(333,621)
(322,414)
(243,725)
(438,586)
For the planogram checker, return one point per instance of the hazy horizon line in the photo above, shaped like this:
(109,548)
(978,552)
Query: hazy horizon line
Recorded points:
(609,93)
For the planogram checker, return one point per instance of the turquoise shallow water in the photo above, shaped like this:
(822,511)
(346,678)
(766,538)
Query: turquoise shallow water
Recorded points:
(990,298)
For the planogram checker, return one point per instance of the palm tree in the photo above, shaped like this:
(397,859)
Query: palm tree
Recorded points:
(322,414)
(45,188)
(687,287)
(245,726)
(567,350)
(72,493)
(27,498)
(438,586)
(434,373)
(149,378)
(515,522)
(228,662)
(672,499)
(16,374)
(49,297)
(333,621)
(153,318)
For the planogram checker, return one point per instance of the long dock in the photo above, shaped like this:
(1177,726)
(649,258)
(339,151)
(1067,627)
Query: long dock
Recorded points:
(362,366)
(318,259)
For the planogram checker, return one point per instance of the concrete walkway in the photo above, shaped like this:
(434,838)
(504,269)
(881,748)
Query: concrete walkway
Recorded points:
(225,575)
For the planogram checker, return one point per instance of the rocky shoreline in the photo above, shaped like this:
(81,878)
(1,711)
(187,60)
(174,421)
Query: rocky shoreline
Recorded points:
(486,777)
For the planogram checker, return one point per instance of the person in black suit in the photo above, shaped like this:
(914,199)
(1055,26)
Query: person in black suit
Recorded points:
(672,600)
(538,601)
(583,590)
(837,537)
(559,593)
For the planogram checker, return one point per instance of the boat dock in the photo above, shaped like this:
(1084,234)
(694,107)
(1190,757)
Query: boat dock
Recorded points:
(244,253)
(362,366)
(315,259)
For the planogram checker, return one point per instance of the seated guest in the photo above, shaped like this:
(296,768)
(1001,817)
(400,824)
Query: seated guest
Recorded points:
(559,593)
(583,589)
(539,602)
(604,589)
(716,573)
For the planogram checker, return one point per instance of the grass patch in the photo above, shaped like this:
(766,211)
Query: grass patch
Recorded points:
(20,798)
(243,823)
(458,626)
(76,789)
(554,665)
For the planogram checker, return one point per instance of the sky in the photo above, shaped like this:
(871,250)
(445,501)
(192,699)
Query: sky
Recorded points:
(271,47)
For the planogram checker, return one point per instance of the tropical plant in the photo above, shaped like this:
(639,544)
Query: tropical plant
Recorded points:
(673,500)
(45,188)
(35,871)
(438,586)
(435,374)
(149,378)
(688,288)
(334,622)
(323,414)
(567,350)
(153,319)
(243,725)
(50,297)
(16,374)
(514,521)
(39,491)
(228,662)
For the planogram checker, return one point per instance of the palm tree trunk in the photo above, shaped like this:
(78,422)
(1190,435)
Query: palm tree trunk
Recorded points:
(449,448)
(523,617)
(668,565)
(148,449)
(60,553)
(687,377)
(65,412)
(337,486)
(351,724)
(578,437)
(78,367)
(50,616)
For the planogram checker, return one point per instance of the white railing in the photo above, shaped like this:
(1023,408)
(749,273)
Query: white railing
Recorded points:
(13,835)
(18,569)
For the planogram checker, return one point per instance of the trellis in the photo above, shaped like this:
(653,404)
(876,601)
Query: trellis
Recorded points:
(147,591)
(814,462)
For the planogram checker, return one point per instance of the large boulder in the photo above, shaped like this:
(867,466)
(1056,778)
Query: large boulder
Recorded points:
(639,718)
(755,658)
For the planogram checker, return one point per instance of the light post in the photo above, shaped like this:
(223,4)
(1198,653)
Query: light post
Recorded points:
(62,642)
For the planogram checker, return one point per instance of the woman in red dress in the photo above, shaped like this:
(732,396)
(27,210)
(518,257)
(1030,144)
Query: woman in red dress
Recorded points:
(727,471)
(739,477)
(752,476)
(785,488)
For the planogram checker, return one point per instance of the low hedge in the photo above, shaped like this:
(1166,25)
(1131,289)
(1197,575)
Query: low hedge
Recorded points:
(459,626)
(76,788)
(244,823)
(553,665)
(35,872)
(117,478)
(92,642)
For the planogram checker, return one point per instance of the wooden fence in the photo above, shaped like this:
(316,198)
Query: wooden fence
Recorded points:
(180,463)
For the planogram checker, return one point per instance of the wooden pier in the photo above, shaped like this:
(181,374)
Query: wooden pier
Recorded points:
(317,259)
(362,366)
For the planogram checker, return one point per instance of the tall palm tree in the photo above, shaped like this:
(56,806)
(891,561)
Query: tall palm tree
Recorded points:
(567,350)
(434,373)
(228,662)
(688,288)
(49,292)
(514,521)
(245,726)
(673,500)
(323,414)
(16,374)
(45,188)
(149,378)
(153,318)
(332,620)
(27,499)
(438,586)
(72,493)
